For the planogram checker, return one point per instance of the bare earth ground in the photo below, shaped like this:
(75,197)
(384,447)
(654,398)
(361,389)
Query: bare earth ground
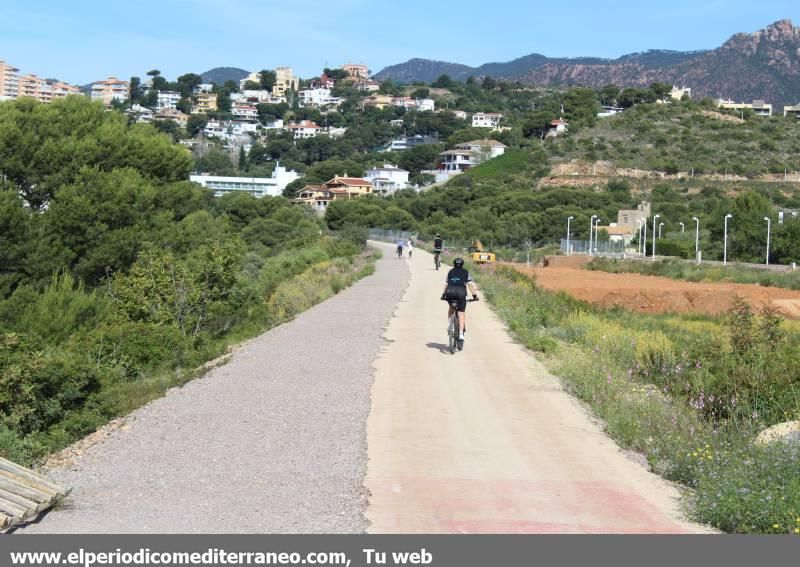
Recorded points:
(487,441)
(652,294)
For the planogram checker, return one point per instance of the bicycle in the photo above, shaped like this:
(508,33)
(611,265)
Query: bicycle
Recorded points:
(436,260)
(452,328)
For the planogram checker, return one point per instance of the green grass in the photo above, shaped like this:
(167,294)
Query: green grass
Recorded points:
(696,273)
(689,393)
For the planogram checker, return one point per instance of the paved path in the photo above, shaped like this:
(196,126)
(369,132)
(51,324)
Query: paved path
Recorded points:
(487,440)
(275,441)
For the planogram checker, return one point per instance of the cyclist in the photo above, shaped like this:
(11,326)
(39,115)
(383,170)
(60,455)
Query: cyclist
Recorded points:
(456,285)
(400,243)
(437,249)
(410,247)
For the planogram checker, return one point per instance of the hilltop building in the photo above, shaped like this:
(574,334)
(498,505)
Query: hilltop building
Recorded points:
(759,107)
(387,179)
(792,111)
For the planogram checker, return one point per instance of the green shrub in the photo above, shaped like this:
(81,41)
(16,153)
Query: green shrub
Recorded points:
(62,309)
(39,388)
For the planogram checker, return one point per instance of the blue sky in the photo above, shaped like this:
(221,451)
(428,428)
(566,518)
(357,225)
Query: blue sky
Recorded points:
(83,41)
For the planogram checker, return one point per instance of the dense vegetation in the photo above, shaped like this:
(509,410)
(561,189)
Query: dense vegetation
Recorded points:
(688,137)
(690,393)
(117,278)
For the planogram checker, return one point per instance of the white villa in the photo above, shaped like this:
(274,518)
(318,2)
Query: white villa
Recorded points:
(272,186)
(387,179)
(486,119)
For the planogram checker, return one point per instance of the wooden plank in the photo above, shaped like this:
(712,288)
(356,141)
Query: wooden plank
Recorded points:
(24,502)
(29,483)
(14,468)
(24,491)
(5,521)
(13,510)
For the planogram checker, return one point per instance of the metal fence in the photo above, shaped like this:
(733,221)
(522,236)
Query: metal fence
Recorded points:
(391,235)
(605,247)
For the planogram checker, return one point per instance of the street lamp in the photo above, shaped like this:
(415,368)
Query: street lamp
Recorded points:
(591,229)
(768,227)
(660,226)
(639,249)
(655,218)
(568,219)
(696,236)
(644,238)
(596,222)
(683,227)
(725,241)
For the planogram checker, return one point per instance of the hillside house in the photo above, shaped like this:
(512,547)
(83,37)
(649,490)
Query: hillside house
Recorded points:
(387,179)
(793,111)
(168,99)
(486,119)
(244,111)
(173,115)
(484,149)
(304,129)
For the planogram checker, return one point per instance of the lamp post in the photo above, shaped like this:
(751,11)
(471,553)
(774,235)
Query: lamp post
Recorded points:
(769,222)
(655,218)
(683,227)
(644,238)
(596,222)
(696,236)
(725,241)
(568,219)
(591,231)
(660,226)
(639,248)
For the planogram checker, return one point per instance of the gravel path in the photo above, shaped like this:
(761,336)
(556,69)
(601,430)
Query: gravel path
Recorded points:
(273,442)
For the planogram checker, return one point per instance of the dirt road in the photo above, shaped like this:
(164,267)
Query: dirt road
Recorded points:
(487,441)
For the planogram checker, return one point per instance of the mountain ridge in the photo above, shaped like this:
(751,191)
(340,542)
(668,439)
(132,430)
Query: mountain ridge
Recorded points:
(760,65)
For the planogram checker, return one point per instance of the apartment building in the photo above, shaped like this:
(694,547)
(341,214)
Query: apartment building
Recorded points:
(43,90)
(35,87)
(285,81)
(9,81)
(206,102)
(109,90)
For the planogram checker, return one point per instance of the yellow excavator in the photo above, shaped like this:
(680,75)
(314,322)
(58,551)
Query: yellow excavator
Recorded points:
(479,255)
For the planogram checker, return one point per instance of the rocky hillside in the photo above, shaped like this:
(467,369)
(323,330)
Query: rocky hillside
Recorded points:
(764,64)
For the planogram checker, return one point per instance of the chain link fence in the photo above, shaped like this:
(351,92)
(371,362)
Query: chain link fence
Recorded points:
(605,247)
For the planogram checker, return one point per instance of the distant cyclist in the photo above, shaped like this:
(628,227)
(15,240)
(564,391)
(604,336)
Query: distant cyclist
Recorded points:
(437,249)
(410,247)
(400,243)
(455,289)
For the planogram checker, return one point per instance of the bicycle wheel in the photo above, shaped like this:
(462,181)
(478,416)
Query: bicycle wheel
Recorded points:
(453,333)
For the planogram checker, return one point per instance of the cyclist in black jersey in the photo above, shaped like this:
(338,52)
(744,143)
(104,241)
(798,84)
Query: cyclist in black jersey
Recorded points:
(456,285)
(437,249)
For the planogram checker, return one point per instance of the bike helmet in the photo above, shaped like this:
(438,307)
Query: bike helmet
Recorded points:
(438,235)
(458,262)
